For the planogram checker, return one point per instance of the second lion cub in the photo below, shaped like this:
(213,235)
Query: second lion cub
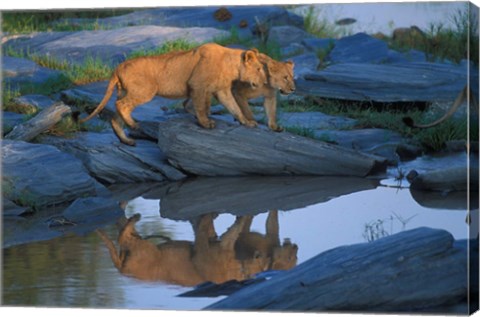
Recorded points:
(279,77)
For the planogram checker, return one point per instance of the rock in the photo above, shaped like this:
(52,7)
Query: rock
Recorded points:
(10,120)
(380,142)
(315,44)
(419,270)
(292,50)
(251,195)
(304,64)
(359,48)
(231,149)
(204,17)
(415,56)
(314,120)
(44,120)
(222,14)
(21,73)
(91,213)
(111,46)
(87,214)
(285,35)
(38,175)
(447,179)
(421,82)
(33,103)
(113,162)
(360,139)
(10,209)
(408,152)
(396,57)
(453,200)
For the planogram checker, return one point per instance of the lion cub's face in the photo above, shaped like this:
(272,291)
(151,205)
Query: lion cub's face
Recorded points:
(252,70)
(281,76)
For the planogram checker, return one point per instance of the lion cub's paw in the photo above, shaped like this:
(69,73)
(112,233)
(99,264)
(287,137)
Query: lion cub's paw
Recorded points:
(128,141)
(209,124)
(251,123)
(275,128)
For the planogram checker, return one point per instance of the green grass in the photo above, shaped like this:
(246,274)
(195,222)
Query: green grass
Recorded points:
(302,131)
(322,54)
(18,22)
(8,95)
(441,43)
(169,46)
(269,48)
(321,28)
(432,139)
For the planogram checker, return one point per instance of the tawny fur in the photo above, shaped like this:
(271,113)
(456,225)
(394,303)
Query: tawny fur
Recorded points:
(207,70)
(280,77)
(208,258)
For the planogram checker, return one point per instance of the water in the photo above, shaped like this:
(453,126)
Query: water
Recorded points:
(320,214)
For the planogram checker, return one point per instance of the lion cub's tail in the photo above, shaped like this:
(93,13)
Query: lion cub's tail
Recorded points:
(458,101)
(111,86)
(111,248)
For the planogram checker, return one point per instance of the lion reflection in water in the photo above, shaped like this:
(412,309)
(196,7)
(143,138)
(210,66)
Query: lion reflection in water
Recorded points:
(237,254)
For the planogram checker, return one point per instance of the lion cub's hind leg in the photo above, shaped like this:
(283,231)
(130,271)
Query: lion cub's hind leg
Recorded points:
(128,103)
(201,103)
(227,99)
(117,126)
(125,106)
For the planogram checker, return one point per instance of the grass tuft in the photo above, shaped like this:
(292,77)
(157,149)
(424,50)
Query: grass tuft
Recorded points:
(167,47)
(16,22)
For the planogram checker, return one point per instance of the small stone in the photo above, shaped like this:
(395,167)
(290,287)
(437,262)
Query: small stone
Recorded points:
(222,14)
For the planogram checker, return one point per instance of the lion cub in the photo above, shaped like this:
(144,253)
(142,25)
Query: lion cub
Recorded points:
(198,74)
(279,77)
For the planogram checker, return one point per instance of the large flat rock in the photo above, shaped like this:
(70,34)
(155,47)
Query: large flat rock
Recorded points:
(113,162)
(402,82)
(40,175)
(111,46)
(419,270)
(314,120)
(231,149)
(204,17)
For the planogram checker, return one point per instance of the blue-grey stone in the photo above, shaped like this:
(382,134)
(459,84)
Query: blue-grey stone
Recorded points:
(359,48)
(21,72)
(40,175)
(399,82)
(316,44)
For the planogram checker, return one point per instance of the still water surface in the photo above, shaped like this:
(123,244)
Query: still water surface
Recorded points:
(316,214)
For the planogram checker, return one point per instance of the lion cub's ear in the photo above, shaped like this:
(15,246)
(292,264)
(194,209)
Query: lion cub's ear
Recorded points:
(289,62)
(255,50)
(249,56)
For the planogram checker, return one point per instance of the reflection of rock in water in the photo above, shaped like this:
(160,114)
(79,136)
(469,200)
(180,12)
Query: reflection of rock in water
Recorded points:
(445,200)
(238,254)
(253,195)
